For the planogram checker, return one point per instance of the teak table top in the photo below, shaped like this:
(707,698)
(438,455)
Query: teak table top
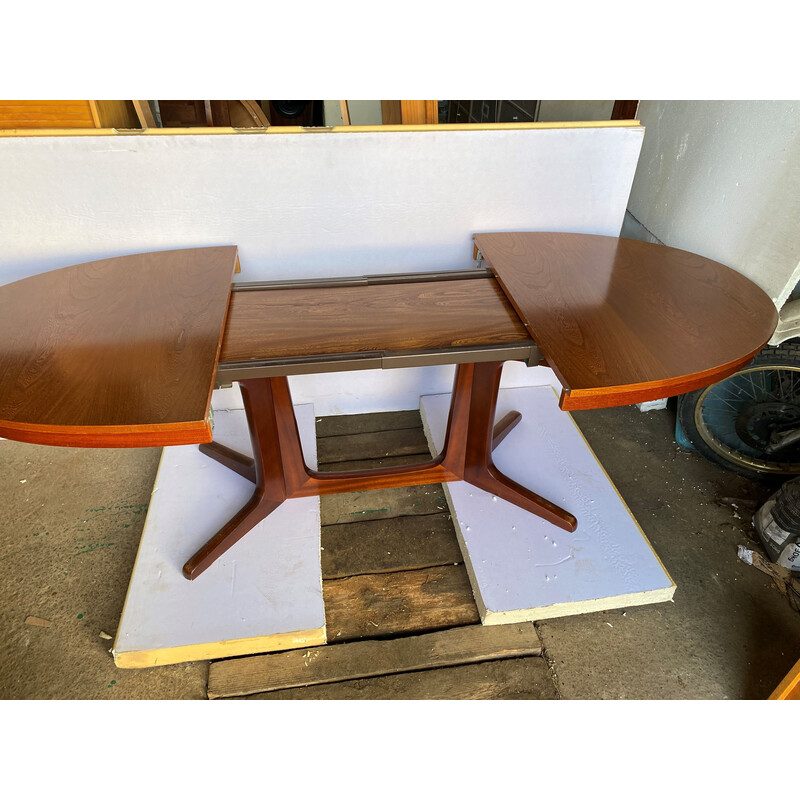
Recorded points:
(623,321)
(114,353)
(123,351)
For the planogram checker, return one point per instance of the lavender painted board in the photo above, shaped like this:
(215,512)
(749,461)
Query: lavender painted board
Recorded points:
(523,568)
(264,594)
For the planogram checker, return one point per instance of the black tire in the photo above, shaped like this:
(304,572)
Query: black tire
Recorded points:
(729,422)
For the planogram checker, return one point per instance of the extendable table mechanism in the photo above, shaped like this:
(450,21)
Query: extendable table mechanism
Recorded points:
(366,280)
(230,371)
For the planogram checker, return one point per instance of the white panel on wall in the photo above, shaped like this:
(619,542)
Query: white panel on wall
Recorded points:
(302,205)
(722,178)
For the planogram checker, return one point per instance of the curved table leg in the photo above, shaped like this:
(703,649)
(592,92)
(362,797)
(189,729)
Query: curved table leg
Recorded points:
(494,481)
(256,509)
(270,489)
(483,437)
(232,459)
(502,428)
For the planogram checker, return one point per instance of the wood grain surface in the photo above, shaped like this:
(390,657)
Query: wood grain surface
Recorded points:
(278,323)
(114,353)
(237,677)
(27,114)
(416,600)
(623,321)
(526,678)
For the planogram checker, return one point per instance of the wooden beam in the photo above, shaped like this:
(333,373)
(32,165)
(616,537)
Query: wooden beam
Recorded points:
(348,424)
(789,687)
(14,129)
(116,114)
(391,113)
(410,112)
(345,108)
(345,662)
(360,446)
(95,113)
(367,606)
(47,114)
(393,544)
(504,679)
(144,113)
(220,113)
(260,118)
(419,112)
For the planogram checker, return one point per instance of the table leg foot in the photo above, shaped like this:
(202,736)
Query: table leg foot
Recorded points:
(483,436)
(256,510)
(241,464)
(493,481)
(505,426)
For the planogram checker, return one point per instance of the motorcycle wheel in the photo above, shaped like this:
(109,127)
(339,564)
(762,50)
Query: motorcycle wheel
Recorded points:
(731,422)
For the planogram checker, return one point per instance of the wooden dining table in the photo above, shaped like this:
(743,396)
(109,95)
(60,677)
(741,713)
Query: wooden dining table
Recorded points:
(126,351)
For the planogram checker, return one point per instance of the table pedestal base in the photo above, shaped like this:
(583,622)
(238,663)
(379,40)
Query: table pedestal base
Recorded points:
(280,472)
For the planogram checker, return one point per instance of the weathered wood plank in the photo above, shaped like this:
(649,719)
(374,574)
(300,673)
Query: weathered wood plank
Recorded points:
(343,662)
(382,504)
(388,545)
(375,463)
(380,444)
(510,679)
(372,606)
(344,424)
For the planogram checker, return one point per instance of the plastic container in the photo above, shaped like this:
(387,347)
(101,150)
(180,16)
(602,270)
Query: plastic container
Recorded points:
(777,523)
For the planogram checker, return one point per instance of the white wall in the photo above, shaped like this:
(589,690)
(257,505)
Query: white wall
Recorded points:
(722,179)
(303,205)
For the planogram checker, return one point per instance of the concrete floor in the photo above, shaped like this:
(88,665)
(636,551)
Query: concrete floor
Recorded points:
(70,521)
(728,633)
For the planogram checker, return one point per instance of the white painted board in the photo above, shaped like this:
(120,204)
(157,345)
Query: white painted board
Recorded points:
(523,568)
(264,594)
(307,205)
(303,205)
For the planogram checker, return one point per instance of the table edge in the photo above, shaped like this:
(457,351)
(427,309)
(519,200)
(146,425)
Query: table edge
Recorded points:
(628,394)
(168,434)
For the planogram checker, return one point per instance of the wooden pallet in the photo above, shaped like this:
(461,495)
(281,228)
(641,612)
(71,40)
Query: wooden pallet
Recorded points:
(401,619)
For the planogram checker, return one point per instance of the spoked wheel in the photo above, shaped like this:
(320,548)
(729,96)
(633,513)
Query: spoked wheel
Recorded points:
(750,422)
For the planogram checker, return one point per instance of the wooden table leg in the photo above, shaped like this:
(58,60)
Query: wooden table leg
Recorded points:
(232,459)
(280,472)
(502,428)
(270,489)
(480,470)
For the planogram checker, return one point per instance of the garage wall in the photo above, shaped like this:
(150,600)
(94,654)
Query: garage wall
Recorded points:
(722,179)
(362,112)
(574,110)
